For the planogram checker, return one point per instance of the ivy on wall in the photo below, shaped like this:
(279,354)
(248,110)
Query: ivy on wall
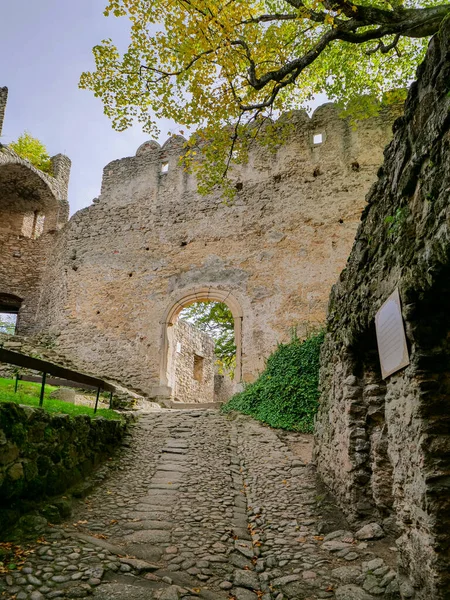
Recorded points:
(286,394)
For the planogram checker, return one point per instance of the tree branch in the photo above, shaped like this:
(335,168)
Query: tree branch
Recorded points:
(414,23)
(384,49)
(397,22)
(269,18)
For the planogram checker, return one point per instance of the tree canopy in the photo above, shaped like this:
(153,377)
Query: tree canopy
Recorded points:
(215,318)
(33,150)
(209,64)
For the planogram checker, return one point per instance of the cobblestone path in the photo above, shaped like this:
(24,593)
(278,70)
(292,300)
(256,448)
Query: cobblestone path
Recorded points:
(200,506)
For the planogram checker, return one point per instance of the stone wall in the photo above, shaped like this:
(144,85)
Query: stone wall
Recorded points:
(38,348)
(21,267)
(224,387)
(191,363)
(120,267)
(42,454)
(383,447)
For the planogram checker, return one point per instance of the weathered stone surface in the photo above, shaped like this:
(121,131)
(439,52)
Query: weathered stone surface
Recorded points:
(247,579)
(372,531)
(351,592)
(196,556)
(382,447)
(191,363)
(140,566)
(64,394)
(244,548)
(243,594)
(45,453)
(347,574)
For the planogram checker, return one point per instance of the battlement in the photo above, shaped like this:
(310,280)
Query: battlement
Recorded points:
(311,143)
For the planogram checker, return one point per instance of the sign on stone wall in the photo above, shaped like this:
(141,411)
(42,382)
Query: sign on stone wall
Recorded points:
(391,337)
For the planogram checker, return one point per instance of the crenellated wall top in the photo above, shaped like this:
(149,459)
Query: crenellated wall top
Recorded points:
(323,138)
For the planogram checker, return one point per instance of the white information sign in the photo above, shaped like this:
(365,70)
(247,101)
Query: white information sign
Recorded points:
(391,337)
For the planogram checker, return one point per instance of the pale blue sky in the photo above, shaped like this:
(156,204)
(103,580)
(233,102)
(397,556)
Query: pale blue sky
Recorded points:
(46,45)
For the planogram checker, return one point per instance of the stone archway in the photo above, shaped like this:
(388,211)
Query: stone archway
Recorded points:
(198,295)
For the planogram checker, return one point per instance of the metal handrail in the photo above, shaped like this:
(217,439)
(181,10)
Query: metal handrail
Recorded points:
(47,368)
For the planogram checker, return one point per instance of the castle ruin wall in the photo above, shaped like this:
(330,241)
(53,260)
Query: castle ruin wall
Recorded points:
(33,206)
(151,241)
(190,364)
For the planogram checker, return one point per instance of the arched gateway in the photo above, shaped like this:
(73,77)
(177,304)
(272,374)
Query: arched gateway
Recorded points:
(201,295)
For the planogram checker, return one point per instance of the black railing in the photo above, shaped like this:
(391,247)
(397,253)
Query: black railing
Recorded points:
(62,373)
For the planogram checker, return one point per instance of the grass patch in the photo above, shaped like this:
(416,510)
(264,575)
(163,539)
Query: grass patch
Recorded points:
(286,394)
(28,393)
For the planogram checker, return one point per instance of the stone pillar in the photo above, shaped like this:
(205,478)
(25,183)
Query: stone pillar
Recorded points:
(61,166)
(3,101)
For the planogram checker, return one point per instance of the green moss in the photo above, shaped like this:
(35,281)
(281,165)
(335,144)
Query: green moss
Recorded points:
(49,434)
(18,433)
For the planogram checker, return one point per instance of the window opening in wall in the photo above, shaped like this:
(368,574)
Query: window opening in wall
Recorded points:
(33,224)
(198,368)
(318,138)
(9,310)
(164,167)
(8,323)
(27,225)
(39,225)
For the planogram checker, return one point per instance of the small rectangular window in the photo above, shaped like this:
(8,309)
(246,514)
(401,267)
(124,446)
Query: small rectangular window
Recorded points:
(164,167)
(318,138)
(198,367)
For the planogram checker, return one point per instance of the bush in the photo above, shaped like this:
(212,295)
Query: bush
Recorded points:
(286,394)
(33,150)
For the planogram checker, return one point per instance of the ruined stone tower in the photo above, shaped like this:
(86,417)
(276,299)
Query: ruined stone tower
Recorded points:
(33,207)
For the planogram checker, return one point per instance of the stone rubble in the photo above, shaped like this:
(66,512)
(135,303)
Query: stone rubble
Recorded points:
(197,505)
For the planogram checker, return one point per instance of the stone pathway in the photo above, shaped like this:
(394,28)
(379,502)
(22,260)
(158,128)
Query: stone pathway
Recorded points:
(197,505)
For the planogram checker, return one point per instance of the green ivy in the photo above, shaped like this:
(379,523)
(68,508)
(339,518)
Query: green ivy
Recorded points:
(396,221)
(286,394)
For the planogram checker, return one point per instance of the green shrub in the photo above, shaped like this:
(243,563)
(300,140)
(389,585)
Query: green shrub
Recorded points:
(286,394)
(33,150)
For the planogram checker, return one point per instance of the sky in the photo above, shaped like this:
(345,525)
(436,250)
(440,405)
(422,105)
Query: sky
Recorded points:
(46,45)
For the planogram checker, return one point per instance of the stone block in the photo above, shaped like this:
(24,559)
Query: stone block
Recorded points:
(64,394)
